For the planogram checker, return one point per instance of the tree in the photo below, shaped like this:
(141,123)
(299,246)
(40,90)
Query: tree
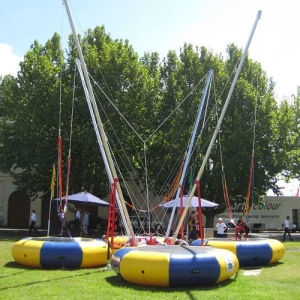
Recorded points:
(288,120)
(138,100)
(28,123)
(252,94)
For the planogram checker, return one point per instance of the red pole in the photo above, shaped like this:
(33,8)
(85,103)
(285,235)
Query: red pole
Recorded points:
(181,212)
(200,213)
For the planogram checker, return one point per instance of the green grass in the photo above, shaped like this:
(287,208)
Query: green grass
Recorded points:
(278,281)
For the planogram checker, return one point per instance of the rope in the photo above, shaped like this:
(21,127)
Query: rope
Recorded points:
(181,231)
(174,185)
(112,214)
(147,140)
(164,121)
(225,195)
(247,200)
(70,144)
(59,140)
(201,231)
(251,176)
(59,170)
(224,183)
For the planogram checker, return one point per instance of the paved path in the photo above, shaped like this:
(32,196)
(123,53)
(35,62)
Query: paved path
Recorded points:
(276,235)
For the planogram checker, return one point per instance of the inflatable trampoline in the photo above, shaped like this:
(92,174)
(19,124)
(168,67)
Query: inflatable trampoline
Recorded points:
(60,252)
(165,265)
(251,252)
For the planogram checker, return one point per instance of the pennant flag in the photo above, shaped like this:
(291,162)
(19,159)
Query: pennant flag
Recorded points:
(53,182)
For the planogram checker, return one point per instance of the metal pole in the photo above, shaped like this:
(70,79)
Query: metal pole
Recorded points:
(99,123)
(48,231)
(218,125)
(188,155)
(111,180)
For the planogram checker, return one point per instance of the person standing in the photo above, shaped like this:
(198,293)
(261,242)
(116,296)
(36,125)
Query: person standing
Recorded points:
(32,222)
(78,220)
(85,223)
(287,228)
(193,226)
(221,228)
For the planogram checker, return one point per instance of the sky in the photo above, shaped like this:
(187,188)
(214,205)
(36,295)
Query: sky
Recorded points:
(292,188)
(163,25)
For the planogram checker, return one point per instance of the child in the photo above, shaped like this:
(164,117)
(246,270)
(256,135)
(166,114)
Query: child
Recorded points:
(242,228)
(221,228)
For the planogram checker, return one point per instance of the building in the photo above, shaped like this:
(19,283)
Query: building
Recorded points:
(16,206)
(268,214)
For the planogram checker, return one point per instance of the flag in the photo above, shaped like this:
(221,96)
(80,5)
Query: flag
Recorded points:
(53,182)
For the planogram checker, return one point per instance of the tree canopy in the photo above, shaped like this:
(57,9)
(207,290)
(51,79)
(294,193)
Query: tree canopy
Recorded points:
(138,99)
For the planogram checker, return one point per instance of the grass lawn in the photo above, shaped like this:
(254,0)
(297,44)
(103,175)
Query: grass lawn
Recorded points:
(278,281)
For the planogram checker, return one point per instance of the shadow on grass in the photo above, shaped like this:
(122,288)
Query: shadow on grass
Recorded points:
(11,238)
(118,281)
(14,265)
(26,269)
(249,268)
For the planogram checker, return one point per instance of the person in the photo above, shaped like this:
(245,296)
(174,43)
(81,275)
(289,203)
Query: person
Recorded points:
(32,222)
(221,228)
(242,228)
(193,226)
(85,223)
(62,217)
(287,228)
(78,220)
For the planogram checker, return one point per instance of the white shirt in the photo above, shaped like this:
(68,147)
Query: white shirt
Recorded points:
(286,223)
(33,217)
(220,228)
(77,216)
(85,221)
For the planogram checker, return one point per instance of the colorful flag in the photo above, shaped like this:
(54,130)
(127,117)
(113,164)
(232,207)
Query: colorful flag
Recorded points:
(53,182)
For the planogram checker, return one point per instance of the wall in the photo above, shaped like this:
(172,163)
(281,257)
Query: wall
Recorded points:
(6,189)
(9,197)
(271,213)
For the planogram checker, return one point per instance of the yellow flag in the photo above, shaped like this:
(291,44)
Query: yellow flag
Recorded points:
(53,182)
